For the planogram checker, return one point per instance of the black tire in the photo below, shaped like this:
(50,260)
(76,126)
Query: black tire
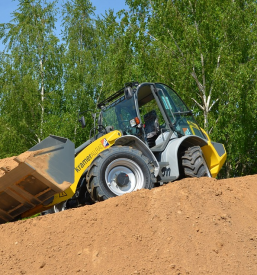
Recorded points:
(134,170)
(193,163)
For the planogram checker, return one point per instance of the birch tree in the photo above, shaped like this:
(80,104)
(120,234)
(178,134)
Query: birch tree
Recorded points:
(33,63)
(79,66)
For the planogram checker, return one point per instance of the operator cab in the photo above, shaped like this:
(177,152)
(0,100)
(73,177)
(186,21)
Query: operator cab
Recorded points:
(167,114)
(151,111)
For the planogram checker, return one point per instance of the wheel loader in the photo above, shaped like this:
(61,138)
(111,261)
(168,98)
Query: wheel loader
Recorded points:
(143,136)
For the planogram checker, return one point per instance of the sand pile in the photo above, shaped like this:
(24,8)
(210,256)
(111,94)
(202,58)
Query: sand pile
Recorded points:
(8,164)
(193,226)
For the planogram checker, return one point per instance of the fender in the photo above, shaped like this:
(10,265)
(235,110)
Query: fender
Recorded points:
(138,144)
(215,155)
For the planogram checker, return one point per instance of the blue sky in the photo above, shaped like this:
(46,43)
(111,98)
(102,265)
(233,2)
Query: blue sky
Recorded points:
(9,6)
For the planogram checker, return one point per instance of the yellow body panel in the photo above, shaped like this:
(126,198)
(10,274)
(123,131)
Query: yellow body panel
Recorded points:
(212,158)
(83,160)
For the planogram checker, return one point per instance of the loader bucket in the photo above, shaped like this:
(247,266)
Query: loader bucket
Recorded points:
(34,177)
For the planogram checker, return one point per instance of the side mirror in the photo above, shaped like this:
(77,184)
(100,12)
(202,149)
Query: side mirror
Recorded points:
(82,121)
(128,92)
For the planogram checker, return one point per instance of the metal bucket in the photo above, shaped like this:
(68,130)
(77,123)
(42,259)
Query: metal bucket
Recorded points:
(43,171)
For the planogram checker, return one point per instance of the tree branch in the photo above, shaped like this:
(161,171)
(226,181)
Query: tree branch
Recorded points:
(156,39)
(198,104)
(213,103)
(176,44)
(102,83)
(200,86)
(203,72)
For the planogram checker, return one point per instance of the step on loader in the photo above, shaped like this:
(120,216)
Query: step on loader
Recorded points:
(144,136)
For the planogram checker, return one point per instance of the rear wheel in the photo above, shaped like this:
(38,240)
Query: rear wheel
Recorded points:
(117,171)
(194,164)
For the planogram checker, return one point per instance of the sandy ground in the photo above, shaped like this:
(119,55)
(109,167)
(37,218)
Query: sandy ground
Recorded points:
(192,226)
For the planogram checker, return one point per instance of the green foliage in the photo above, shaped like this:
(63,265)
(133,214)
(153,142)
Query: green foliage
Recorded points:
(79,67)
(31,70)
(205,50)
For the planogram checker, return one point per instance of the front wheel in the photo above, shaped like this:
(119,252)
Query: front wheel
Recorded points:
(117,171)
(55,209)
(194,164)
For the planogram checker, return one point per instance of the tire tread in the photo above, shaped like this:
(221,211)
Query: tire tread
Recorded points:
(193,163)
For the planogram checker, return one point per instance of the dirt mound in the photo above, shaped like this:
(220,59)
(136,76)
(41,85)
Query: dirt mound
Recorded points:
(8,164)
(193,226)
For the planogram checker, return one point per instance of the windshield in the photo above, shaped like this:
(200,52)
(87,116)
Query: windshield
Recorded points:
(119,114)
(180,116)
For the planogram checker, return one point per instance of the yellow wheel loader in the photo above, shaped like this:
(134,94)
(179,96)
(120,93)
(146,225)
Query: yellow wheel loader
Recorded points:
(144,136)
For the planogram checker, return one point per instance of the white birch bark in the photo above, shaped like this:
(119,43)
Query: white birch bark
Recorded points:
(42,95)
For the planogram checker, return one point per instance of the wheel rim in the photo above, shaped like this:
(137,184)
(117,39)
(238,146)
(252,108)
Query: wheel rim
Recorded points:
(131,169)
(208,172)
(59,207)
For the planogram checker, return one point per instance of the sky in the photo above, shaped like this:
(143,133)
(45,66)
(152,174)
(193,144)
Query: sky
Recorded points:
(9,6)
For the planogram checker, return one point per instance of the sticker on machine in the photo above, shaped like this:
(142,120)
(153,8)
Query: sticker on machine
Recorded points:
(187,131)
(105,143)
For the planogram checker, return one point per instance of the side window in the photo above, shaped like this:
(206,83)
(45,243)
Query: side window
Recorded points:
(125,114)
(110,118)
(148,107)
